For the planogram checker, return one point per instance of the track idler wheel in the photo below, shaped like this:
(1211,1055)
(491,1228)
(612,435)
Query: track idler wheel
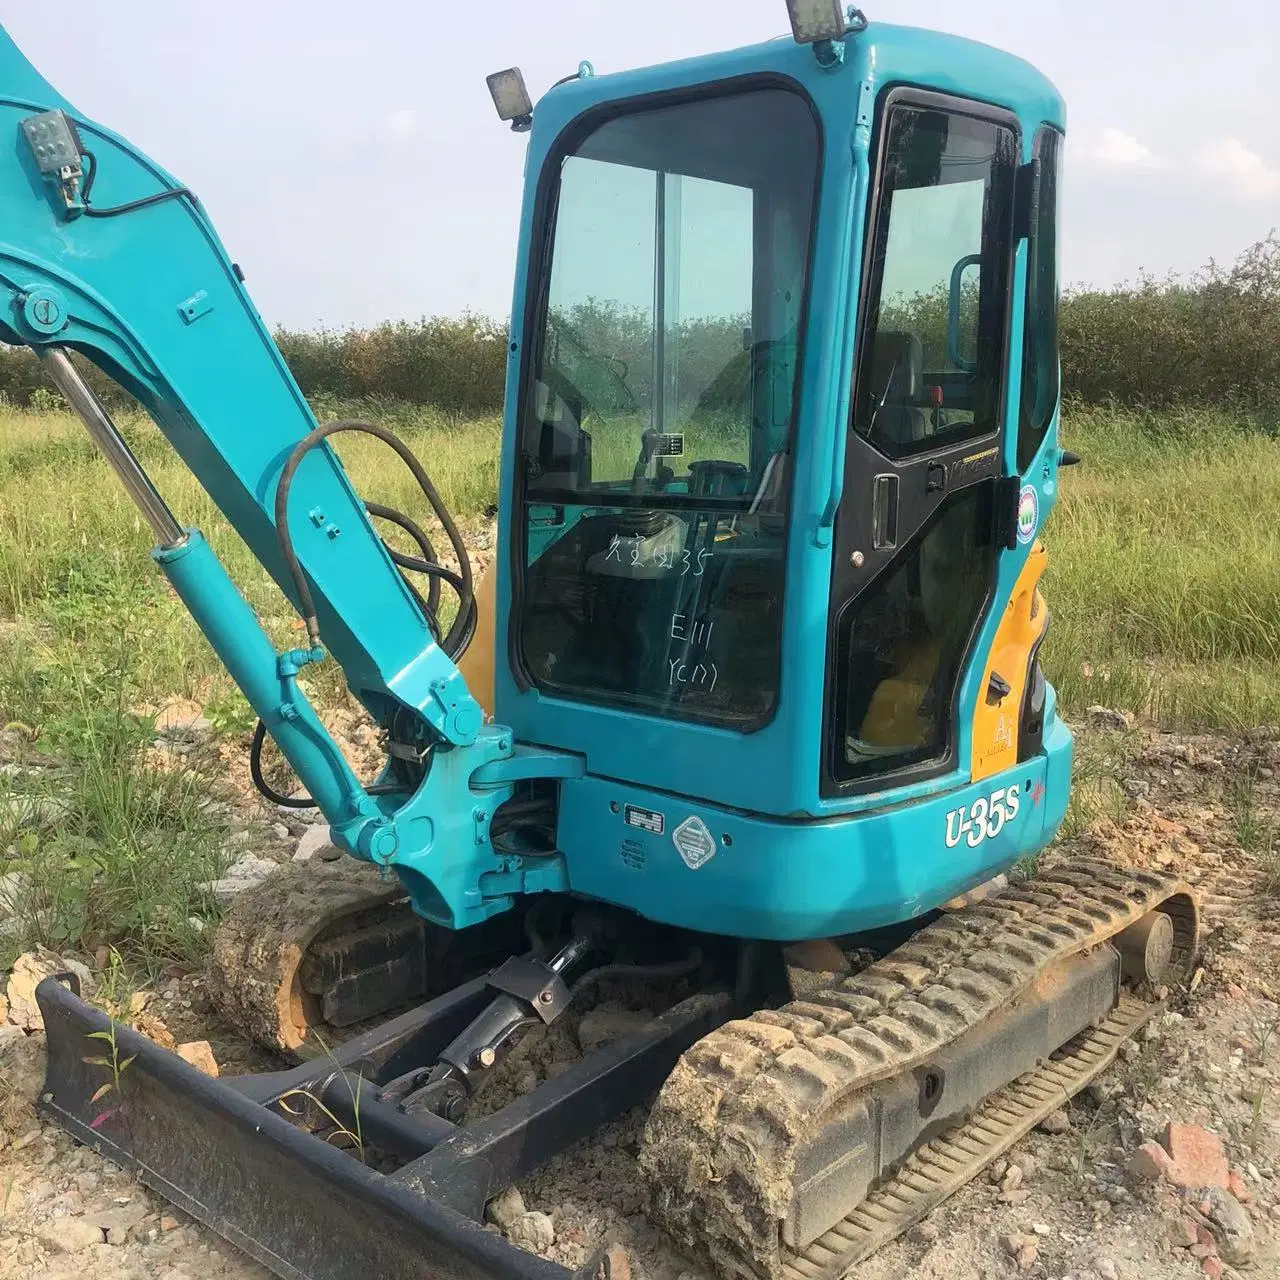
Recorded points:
(1146,948)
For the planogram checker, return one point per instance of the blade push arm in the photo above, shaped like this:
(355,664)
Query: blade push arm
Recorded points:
(103,252)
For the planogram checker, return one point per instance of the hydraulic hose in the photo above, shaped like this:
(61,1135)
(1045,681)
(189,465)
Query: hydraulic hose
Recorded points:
(419,535)
(463,624)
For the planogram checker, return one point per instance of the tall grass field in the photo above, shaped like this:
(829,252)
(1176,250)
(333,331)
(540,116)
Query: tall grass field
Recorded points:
(1163,587)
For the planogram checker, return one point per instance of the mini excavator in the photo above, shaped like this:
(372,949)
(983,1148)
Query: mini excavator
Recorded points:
(782,386)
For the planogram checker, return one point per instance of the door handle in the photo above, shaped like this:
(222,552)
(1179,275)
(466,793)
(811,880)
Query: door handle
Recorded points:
(935,477)
(884,512)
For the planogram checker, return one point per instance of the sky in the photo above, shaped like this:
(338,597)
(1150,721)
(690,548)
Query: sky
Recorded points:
(352,162)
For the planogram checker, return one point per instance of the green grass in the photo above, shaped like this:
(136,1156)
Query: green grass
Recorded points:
(113,844)
(1164,570)
(1163,585)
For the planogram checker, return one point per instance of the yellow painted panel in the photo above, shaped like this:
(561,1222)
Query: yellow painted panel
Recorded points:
(995,728)
(476,664)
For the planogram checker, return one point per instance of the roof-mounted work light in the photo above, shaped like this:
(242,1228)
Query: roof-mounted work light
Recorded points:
(511,98)
(823,24)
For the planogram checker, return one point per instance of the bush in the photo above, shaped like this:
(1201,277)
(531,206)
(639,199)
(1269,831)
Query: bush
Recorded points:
(1211,340)
(458,365)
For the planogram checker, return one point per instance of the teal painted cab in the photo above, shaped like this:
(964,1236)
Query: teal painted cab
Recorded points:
(779,440)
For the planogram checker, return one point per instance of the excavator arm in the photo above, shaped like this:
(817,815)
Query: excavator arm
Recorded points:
(103,253)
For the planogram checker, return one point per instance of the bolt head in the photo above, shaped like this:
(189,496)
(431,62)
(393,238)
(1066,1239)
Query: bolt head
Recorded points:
(544,997)
(857,559)
(486,1057)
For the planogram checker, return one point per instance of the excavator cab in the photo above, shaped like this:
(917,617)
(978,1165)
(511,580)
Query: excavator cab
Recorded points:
(762,718)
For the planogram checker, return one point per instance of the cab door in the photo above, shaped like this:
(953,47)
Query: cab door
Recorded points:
(924,511)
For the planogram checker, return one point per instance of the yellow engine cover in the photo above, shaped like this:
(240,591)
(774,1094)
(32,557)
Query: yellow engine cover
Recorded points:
(995,727)
(476,664)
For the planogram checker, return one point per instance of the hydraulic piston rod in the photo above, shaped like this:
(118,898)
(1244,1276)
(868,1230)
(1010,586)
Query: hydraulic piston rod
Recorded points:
(80,396)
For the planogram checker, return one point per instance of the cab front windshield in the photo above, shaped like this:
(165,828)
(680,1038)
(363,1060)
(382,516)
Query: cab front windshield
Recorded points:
(656,436)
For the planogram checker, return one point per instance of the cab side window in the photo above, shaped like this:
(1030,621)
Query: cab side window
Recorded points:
(929,369)
(1040,374)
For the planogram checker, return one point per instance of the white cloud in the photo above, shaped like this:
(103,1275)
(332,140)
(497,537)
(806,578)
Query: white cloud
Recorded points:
(1244,170)
(1122,149)
(400,125)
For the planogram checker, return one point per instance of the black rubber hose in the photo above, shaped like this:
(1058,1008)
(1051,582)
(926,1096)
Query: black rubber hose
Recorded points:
(419,535)
(672,969)
(264,787)
(114,210)
(266,790)
(464,624)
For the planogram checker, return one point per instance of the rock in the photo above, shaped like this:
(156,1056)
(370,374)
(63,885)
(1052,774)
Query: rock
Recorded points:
(68,1235)
(997,884)
(1236,1185)
(1020,1195)
(1027,1257)
(533,1231)
(1130,1050)
(1106,1268)
(279,831)
(1055,1122)
(199,1053)
(923,1233)
(1150,1163)
(168,1222)
(29,970)
(21,1069)
(526,1081)
(182,719)
(1014,1243)
(117,1224)
(505,1207)
(817,955)
(4,1008)
(600,1026)
(311,841)
(1212,1267)
(245,872)
(1235,1230)
(1042,1228)
(1107,718)
(1197,1157)
(1201,1250)
(1182,1233)
(1012,1178)
(615,1265)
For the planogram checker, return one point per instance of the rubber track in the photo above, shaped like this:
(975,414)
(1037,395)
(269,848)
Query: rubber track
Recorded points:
(720,1145)
(260,945)
(940,1168)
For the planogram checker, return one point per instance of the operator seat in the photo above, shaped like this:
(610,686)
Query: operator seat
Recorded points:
(897,380)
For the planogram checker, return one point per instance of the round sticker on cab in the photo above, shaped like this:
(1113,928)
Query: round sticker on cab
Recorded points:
(1028,513)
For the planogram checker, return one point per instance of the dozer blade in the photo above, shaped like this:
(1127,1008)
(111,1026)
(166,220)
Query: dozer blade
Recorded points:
(305,1209)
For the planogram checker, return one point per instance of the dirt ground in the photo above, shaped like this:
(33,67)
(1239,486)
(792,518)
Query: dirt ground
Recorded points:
(1063,1205)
